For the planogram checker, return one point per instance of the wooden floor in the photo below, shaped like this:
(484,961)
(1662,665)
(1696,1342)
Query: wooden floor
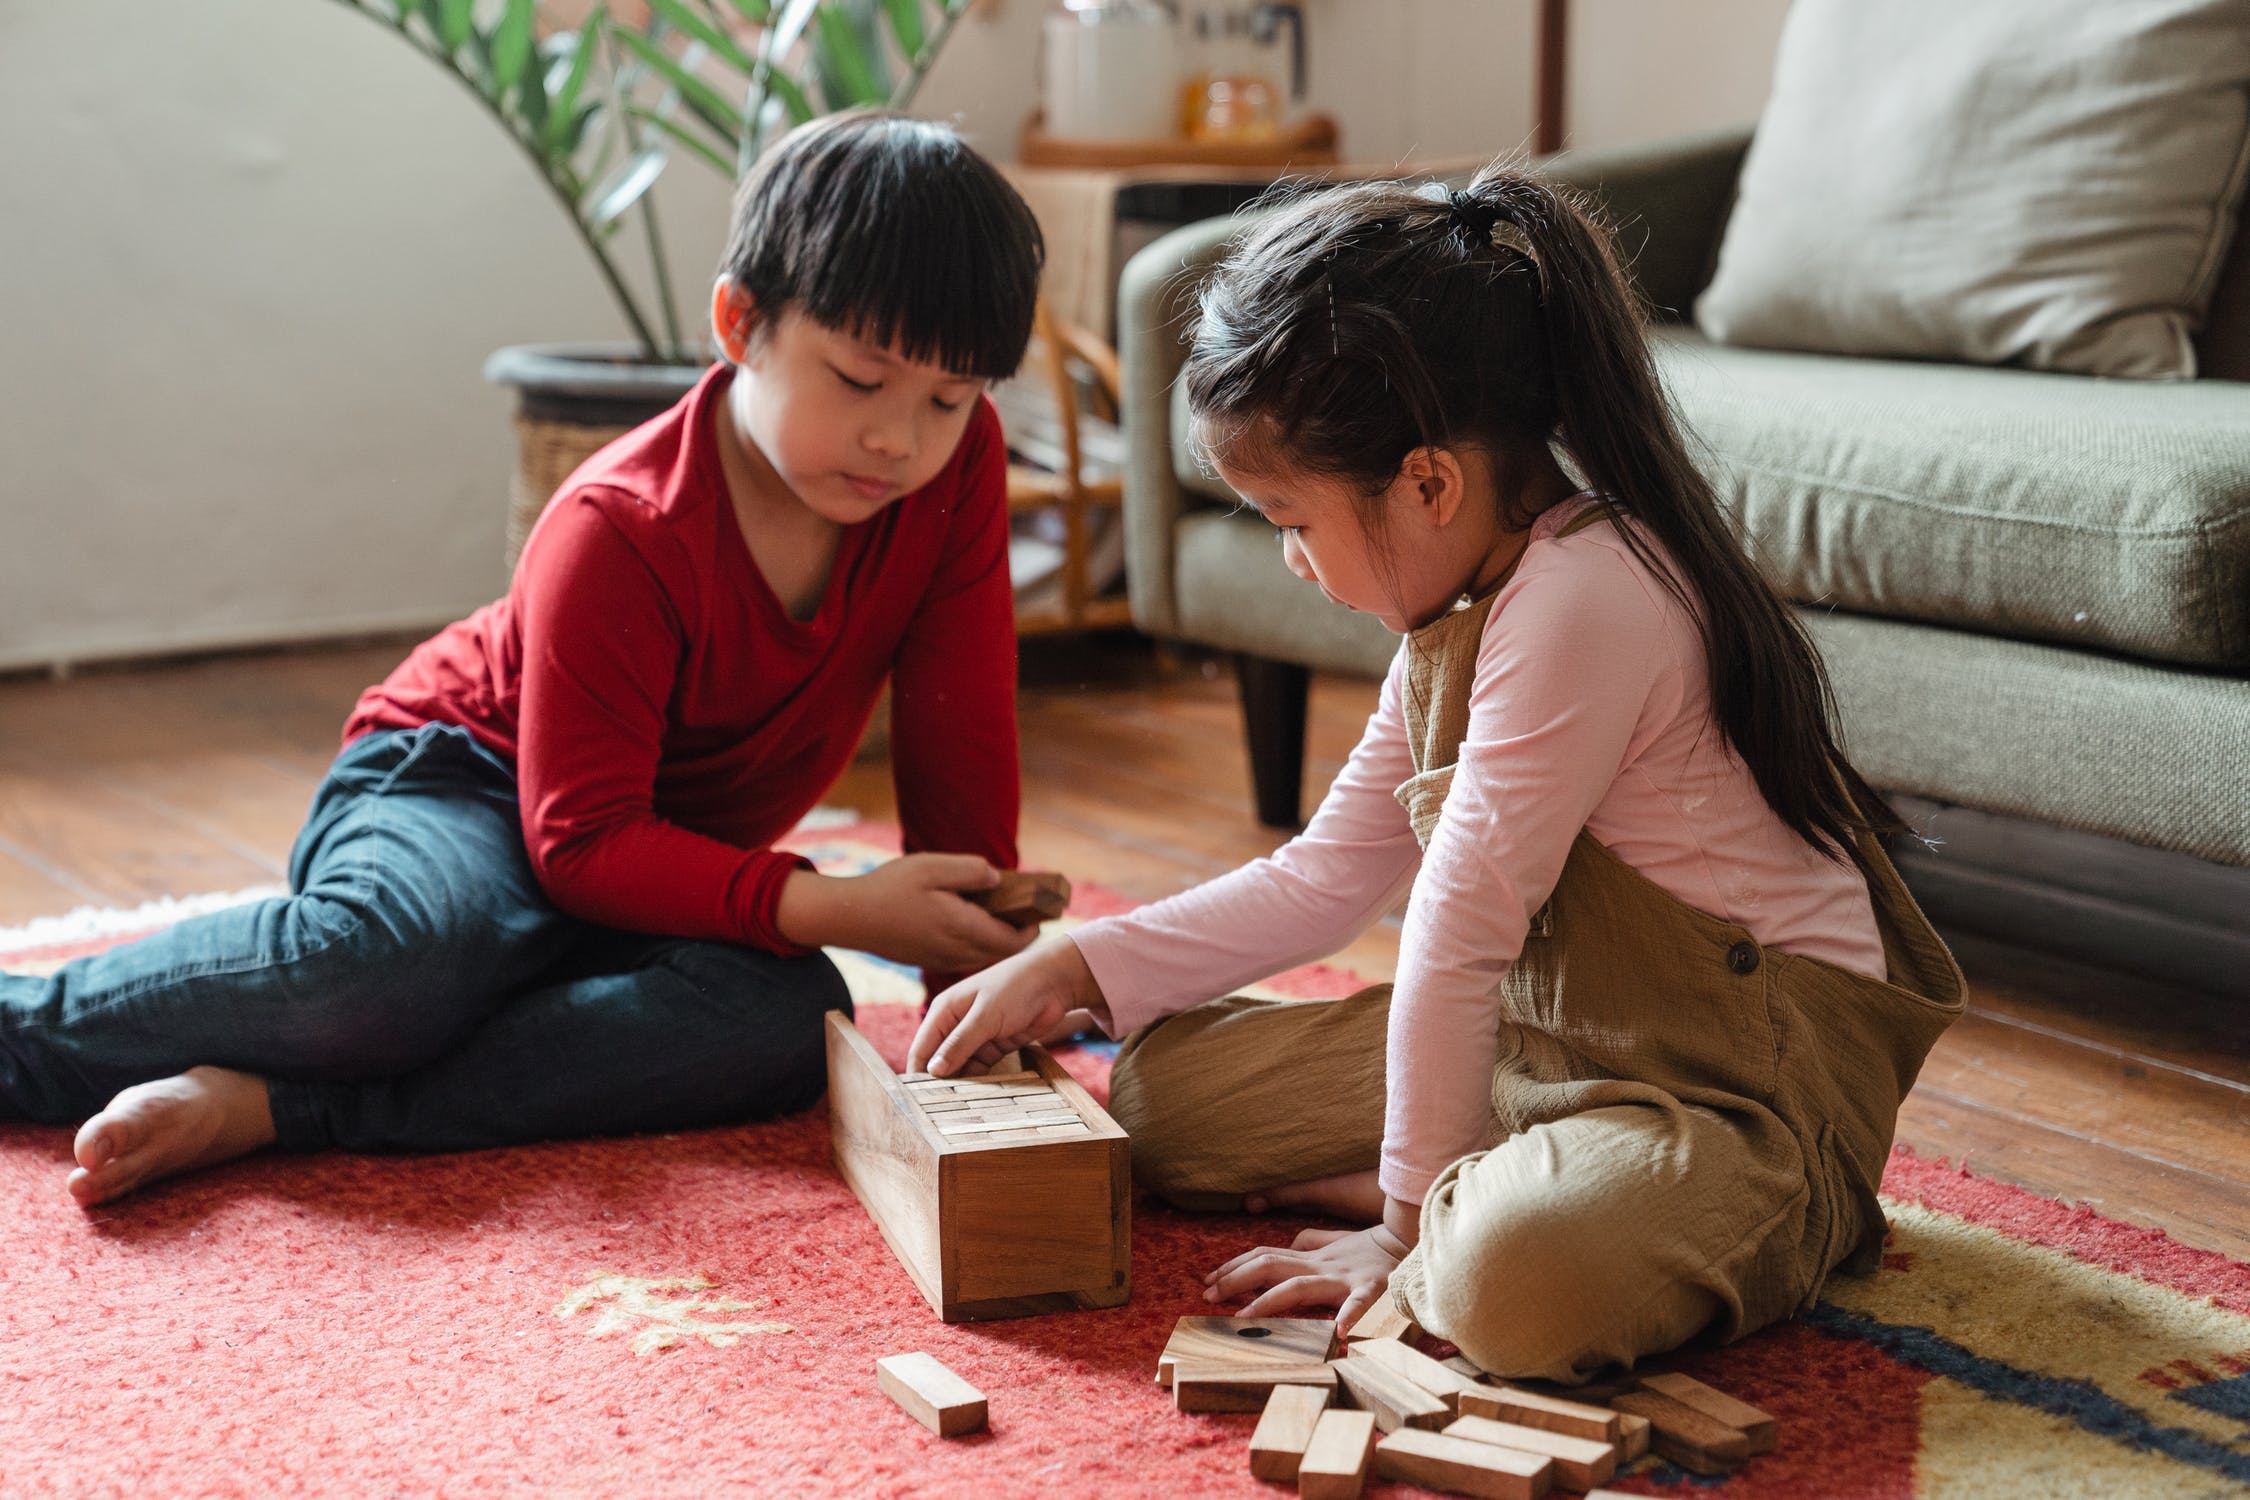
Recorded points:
(121,786)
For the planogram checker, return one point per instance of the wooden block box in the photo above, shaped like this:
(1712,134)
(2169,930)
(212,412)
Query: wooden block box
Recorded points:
(1002,1196)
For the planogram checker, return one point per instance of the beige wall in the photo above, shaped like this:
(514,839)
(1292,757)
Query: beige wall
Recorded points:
(256,252)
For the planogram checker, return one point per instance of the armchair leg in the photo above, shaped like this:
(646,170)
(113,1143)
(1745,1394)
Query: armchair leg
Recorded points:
(1273,714)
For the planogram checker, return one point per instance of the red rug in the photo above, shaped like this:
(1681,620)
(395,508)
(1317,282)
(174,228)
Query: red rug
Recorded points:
(700,1314)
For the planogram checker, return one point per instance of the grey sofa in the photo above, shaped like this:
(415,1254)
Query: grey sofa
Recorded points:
(2032,590)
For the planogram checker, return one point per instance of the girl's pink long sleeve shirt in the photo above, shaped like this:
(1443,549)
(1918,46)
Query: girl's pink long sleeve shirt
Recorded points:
(1590,711)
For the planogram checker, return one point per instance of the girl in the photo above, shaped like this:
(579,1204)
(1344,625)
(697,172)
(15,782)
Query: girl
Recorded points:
(1659,992)
(537,895)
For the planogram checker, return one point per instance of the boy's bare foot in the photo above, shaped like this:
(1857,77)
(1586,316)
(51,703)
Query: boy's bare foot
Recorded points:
(1354,1197)
(198,1119)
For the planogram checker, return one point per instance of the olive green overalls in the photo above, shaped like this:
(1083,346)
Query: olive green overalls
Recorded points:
(1689,1128)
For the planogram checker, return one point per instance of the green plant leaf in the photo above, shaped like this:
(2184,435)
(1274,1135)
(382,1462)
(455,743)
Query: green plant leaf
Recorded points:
(756,12)
(906,27)
(793,99)
(847,73)
(454,20)
(511,44)
(702,30)
(624,187)
(565,126)
(696,92)
(718,162)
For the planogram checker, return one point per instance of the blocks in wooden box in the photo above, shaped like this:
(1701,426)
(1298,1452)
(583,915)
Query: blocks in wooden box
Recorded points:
(1024,1208)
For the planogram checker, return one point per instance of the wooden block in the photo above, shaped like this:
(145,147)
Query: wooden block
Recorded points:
(983,1127)
(1063,1132)
(1465,1365)
(992,1224)
(1244,1386)
(1590,1393)
(1385,1320)
(1012,1078)
(1431,1375)
(1690,1438)
(1286,1429)
(1633,1437)
(1392,1399)
(1025,898)
(1580,1463)
(1752,1423)
(1233,1341)
(1335,1463)
(930,1393)
(1462,1466)
(1512,1403)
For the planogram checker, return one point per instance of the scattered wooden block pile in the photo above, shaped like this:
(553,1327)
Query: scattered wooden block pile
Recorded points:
(1331,1416)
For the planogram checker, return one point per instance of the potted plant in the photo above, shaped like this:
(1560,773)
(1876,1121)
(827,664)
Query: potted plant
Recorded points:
(598,102)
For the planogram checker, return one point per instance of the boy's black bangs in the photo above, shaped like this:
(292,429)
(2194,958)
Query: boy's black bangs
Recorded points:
(896,232)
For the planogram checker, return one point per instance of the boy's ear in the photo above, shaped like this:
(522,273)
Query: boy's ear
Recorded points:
(734,319)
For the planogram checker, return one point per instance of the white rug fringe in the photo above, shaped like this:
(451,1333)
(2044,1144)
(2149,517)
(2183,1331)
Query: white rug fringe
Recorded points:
(104,921)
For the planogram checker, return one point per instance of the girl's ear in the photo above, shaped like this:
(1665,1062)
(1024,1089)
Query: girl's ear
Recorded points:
(1432,480)
(734,319)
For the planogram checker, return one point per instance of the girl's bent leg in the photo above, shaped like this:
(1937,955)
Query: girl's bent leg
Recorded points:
(1242,1095)
(643,1034)
(415,907)
(1603,1238)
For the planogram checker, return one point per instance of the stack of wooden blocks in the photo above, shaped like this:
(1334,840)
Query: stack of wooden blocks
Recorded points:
(1331,1416)
(1003,1196)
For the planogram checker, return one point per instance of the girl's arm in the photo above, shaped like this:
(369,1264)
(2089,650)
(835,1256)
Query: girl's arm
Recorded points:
(1304,901)
(1573,656)
(602,632)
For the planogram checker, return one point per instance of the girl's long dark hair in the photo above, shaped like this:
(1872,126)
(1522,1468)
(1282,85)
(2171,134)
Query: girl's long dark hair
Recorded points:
(1357,324)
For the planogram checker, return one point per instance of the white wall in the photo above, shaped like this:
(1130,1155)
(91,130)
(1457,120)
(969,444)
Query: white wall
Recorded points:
(254,252)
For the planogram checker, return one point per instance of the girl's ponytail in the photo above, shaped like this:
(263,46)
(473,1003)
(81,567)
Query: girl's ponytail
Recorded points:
(1769,691)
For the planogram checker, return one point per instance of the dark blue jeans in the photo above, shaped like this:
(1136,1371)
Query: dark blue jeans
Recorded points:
(418,991)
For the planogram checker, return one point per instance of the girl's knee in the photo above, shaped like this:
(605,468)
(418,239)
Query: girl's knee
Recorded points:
(1553,1282)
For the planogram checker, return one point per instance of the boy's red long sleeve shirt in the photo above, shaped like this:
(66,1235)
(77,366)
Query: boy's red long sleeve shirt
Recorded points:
(668,720)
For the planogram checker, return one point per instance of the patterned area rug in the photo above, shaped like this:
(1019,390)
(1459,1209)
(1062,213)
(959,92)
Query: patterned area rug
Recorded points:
(700,1314)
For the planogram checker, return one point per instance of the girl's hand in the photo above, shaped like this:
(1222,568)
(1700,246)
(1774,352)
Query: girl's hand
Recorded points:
(909,910)
(1347,1269)
(986,1016)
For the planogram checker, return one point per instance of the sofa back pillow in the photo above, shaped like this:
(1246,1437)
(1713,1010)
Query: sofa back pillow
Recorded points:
(2052,183)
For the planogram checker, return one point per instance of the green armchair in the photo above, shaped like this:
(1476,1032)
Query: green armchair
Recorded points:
(2032,590)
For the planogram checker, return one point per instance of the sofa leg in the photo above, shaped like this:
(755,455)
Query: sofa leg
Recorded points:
(1273,714)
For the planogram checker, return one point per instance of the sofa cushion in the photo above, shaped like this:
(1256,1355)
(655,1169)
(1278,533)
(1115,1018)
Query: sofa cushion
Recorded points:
(2102,513)
(2149,754)
(2010,181)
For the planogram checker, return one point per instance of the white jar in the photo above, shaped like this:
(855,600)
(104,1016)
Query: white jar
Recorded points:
(1111,71)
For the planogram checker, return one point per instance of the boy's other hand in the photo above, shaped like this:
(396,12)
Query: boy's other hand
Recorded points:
(986,1016)
(908,910)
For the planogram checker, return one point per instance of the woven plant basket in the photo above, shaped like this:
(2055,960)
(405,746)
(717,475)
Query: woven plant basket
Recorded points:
(572,399)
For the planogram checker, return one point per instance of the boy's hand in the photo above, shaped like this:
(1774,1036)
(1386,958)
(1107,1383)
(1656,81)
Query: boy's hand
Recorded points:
(909,910)
(986,1016)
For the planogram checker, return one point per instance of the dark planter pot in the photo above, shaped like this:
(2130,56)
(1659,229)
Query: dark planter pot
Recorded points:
(571,399)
